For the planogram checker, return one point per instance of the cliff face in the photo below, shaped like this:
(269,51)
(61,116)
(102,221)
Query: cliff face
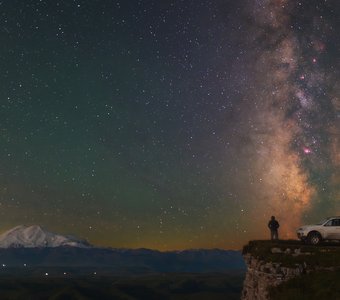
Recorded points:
(270,264)
(262,275)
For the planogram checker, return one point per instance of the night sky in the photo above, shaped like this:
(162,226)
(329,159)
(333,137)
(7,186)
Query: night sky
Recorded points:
(169,124)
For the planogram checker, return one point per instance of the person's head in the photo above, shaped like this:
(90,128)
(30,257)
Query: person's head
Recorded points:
(273,217)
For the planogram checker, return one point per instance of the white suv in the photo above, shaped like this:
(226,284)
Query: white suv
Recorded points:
(328,229)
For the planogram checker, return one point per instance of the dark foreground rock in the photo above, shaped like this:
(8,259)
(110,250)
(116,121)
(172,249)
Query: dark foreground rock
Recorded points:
(149,287)
(272,264)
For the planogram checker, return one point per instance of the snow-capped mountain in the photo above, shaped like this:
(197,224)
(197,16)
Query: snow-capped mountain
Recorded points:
(36,237)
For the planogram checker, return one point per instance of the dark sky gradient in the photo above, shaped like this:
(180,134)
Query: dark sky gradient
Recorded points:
(169,124)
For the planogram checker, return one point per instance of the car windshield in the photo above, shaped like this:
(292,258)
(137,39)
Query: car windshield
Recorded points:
(323,221)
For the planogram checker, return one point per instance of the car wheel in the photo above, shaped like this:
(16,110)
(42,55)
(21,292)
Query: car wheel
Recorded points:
(314,238)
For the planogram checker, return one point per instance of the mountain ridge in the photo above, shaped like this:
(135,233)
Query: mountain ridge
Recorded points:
(35,236)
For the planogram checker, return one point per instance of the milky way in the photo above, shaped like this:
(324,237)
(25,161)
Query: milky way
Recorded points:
(295,117)
(169,124)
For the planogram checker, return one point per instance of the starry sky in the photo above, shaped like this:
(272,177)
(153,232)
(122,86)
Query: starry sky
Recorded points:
(169,124)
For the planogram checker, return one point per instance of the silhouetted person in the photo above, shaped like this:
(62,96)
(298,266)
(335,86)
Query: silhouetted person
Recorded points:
(274,226)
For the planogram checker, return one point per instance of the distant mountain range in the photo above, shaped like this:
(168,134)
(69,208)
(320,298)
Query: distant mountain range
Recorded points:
(35,237)
(34,247)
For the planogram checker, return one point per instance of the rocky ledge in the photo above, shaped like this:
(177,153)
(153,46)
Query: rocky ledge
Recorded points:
(269,264)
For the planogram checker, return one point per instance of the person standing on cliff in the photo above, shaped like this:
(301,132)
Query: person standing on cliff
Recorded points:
(274,226)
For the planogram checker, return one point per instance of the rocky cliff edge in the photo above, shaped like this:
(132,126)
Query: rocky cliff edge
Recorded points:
(269,264)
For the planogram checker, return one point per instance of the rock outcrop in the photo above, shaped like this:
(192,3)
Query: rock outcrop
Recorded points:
(271,263)
(262,275)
